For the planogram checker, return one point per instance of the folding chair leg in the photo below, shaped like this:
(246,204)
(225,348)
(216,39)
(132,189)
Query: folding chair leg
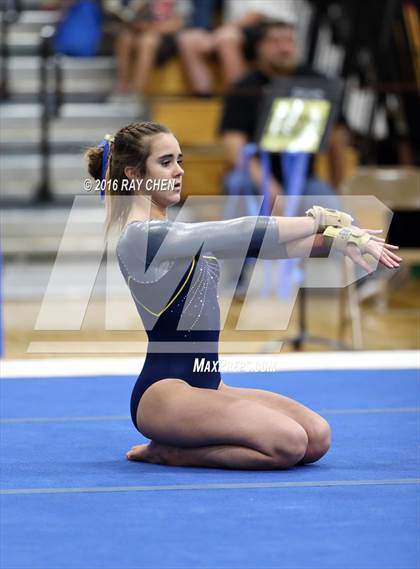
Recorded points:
(350,311)
(343,318)
(354,312)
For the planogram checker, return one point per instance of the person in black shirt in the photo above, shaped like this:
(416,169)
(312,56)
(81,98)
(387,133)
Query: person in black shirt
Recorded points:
(276,51)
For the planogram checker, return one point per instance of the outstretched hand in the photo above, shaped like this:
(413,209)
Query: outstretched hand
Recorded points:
(383,252)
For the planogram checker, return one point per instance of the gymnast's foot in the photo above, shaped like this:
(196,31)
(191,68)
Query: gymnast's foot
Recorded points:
(139,452)
(153,453)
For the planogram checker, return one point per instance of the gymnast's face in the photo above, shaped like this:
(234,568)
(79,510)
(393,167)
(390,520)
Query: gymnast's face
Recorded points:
(163,178)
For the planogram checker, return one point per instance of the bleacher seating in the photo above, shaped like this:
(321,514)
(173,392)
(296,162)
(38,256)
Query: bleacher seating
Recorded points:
(85,115)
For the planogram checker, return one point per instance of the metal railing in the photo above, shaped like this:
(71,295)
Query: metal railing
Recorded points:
(51,99)
(9,14)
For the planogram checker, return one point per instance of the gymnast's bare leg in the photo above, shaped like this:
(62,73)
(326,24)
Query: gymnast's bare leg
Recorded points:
(316,427)
(191,426)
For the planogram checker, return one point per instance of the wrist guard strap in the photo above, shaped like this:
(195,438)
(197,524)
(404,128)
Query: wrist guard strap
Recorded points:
(325,217)
(342,236)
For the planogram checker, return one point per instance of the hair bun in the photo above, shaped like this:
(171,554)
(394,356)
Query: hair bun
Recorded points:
(94,158)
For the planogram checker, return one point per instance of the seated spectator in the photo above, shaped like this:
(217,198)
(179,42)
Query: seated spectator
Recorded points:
(203,13)
(232,42)
(146,39)
(276,57)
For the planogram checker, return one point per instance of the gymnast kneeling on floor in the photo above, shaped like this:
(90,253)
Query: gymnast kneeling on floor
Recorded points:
(190,415)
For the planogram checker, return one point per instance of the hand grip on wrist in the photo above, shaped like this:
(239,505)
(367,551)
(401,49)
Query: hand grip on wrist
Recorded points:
(343,236)
(325,217)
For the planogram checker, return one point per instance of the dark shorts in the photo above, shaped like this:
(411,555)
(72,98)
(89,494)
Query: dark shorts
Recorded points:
(167,49)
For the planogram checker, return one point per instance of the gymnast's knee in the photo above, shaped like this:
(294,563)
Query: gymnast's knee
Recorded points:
(319,440)
(290,448)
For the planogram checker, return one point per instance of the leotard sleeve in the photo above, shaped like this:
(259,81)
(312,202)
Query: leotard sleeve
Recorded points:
(168,240)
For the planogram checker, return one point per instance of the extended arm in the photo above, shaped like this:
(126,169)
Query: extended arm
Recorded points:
(251,236)
(161,241)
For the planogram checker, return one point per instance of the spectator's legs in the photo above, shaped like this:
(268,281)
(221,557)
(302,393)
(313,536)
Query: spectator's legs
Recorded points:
(229,46)
(147,44)
(194,46)
(123,51)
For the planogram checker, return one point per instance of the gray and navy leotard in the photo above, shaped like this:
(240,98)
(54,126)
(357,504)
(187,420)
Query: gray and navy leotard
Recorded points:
(172,271)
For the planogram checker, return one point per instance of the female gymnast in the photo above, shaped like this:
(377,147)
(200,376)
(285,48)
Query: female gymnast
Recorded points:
(191,417)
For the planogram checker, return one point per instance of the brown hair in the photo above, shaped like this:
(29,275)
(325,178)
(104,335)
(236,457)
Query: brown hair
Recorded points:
(260,31)
(130,147)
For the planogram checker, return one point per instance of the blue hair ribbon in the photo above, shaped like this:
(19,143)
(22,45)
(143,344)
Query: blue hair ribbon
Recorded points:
(105,144)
